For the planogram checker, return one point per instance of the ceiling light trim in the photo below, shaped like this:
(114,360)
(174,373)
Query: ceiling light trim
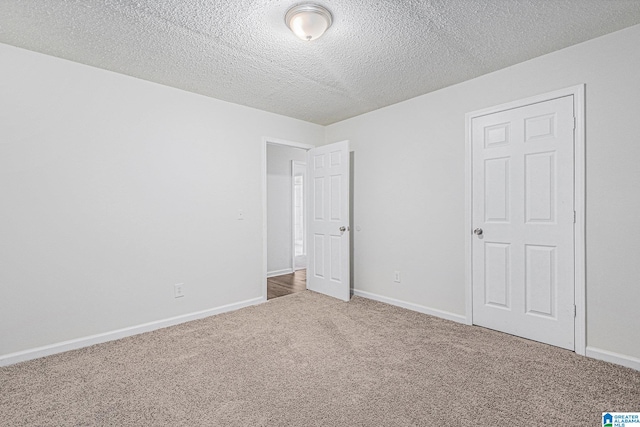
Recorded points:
(303,12)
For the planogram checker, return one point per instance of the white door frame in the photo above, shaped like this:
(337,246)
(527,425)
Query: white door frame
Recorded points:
(295,163)
(273,141)
(579,199)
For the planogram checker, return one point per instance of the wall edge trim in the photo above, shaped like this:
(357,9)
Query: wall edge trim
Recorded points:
(413,307)
(279,272)
(77,343)
(613,357)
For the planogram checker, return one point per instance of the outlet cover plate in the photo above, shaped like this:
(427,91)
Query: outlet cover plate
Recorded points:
(178,290)
(396,276)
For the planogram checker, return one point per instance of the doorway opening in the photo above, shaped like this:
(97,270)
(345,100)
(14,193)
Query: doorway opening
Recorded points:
(286,284)
(286,225)
(326,200)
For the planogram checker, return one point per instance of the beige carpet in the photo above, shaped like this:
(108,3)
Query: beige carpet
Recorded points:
(309,360)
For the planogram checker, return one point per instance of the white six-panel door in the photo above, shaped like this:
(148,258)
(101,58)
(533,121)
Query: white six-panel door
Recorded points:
(523,216)
(328,238)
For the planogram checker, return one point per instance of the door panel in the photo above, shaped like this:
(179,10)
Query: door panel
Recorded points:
(523,261)
(336,198)
(318,198)
(497,277)
(539,170)
(540,280)
(328,273)
(496,205)
(336,259)
(317,255)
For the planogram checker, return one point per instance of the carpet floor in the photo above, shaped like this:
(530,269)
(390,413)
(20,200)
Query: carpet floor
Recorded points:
(310,360)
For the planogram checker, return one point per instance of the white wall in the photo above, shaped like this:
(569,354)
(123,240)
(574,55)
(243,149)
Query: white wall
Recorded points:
(279,208)
(409,185)
(113,189)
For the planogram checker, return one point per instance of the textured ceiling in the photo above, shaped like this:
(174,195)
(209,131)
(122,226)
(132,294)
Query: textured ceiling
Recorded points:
(378,52)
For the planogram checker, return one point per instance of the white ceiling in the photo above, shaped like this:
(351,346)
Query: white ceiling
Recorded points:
(377,53)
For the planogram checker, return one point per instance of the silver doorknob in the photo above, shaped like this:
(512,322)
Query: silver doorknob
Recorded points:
(343,229)
(478,231)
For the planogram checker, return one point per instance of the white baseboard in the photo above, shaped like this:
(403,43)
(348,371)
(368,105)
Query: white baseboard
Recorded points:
(593,352)
(34,353)
(411,306)
(617,358)
(279,272)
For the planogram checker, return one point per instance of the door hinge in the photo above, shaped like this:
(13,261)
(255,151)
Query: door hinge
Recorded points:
(575,310)
(574,217)
(574,123)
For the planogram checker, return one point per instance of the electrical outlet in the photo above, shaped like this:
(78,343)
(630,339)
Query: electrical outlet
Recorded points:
(396,276)
(178,290)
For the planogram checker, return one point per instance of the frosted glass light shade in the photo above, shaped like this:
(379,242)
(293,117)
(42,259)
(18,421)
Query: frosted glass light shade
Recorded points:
(308,21)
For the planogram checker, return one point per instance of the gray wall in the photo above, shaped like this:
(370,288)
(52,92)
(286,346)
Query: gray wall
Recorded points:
(409,185)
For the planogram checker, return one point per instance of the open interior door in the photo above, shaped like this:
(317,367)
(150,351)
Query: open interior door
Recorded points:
(328,247)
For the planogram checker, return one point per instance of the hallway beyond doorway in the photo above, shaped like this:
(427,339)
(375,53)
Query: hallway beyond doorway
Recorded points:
(286,284)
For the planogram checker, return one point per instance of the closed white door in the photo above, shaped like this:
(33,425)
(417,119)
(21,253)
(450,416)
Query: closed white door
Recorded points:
(523,219)
(328,241)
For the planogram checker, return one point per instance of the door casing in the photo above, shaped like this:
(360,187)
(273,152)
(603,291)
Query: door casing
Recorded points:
(578,93)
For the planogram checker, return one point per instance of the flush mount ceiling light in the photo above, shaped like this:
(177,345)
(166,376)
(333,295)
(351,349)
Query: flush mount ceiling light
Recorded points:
(308,21)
